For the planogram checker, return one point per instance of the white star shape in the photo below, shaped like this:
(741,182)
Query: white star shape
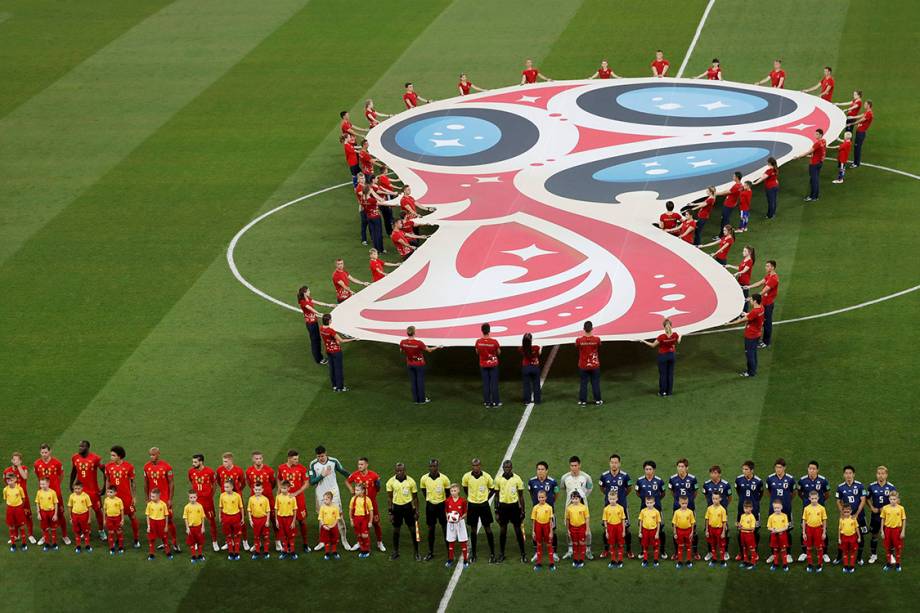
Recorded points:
(648,164)
(703,163)
(669,312)
(801,126)
(487,179)
(446,142)
(718,104)
(528,99)
(669,106)
(526,253)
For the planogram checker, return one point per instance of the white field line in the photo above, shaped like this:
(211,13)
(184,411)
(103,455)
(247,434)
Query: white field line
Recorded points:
(696,37)
(518,432)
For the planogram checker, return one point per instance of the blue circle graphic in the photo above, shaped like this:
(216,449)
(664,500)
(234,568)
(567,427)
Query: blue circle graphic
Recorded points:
(674,101)
(449,136)
(681,165)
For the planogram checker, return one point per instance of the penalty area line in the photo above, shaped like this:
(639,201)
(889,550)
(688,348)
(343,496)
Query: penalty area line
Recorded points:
(512,446)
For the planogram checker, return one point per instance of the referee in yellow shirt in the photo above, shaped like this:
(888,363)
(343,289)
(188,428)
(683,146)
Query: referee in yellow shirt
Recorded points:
(510,508)
(477,485)
(436,487)
(402,494)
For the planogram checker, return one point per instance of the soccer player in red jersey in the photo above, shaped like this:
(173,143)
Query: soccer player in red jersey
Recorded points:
(401,239)
(725,245)
(753,328)
(351,157)
(605,72)
(295,473)
(85,465)
(825,85)
(770,283)
(120,475)
(530,74)
(414,350)
(202,479)
(770,180)
(704,211)
(158,474)
(348,127)
(488,350)
(713,73)
(660,65)
(817,152)
(744,269)
(49,467)
(862,126)
(744,205)
(666,342)
(371,482)
(530,370)
(371,114)
(410,98)
(333,343)
(308,307)
(465,85)
(228,471)
(777,76)
(670,219)
(853,107)
(21,472)
(843,155)
(260,473)
(340,281)
(589,365)
(377,265)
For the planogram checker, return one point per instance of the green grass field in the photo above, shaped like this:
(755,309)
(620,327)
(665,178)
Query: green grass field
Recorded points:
(137,138)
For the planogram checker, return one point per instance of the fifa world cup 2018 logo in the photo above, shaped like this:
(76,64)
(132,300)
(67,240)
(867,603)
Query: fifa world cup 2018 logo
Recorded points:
(544,199)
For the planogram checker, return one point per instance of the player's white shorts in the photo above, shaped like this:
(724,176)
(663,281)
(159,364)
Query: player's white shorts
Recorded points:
(457,532)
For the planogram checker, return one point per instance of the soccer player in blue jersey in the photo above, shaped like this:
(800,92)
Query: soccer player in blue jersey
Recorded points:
(717,485)
(542,482)
(813,482)
(651,485)
(879,493)
(853,494)
(749,487)
(620,480)
(683,484)
(782,488)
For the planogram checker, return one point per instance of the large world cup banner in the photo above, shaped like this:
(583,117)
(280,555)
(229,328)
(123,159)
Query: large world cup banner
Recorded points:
(543,200)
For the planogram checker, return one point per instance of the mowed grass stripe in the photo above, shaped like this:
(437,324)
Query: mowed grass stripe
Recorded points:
(41,40)
(66,138)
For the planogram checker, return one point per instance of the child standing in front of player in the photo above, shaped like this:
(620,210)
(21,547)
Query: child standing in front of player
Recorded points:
(15,500)
(542,516)
(259,509)
(46,503)
(615,527)
(894,524)
(778,527)
(194,515)
(747,525)
(683,522)
(231,519)
(361,510)
(848,538)
(79,504)
(716,529)
(814,527)
(576,521)
(156,513)
(114,510)
(649,524)
(455,508)
(286,519)
(329,516)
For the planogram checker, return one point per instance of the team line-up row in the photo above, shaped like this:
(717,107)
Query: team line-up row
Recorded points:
(453,506)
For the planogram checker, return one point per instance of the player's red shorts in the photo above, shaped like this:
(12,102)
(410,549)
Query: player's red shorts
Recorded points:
(46,519)
(80,522)
(892,537)
(614,534)
(94,498)
(814,536)
(232,524)
(207,502)
(16,516)
(113,523)
(195,536)
(648,536)
(157,529)
(128,504)
(779,540)
(301,507)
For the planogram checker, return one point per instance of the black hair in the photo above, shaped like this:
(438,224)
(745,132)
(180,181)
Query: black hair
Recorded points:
(649,463)
(669,205)
(342,114)
(300,293)
(119,451)
(527,344)
(486,328)
(574,458)
(320,449)
(327,318)
(543,464)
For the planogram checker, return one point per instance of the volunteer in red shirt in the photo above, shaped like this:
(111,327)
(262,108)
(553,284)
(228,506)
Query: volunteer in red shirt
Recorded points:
(371,114)
(366,161)
(410,98)
(686,231)
(340,281)
(725,245)
(777,76)
(862,126)
(666,342)
(401,238)
(351,156)
(530,370)
(770,283)
(713,73)
(668,220)
(376,265)
(348,127)
(660,65)
(770,180)
(308,307)
(333,344)
(843,156)
(817,152)
(731,199)
(743,270)
(84,468)
(372,213)
(465,85)
(825,85)
(744,205)
(488,350)
(853,107)
(530,74)
(589,365)
(753,328)
(704,211)
(605,72)
(414,350)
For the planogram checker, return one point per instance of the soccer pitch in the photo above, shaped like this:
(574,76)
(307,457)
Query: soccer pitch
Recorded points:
(136,139)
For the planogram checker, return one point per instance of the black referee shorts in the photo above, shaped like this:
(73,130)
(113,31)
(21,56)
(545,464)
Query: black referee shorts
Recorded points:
(403,513)
(435,514)
(478,511)
(509,512)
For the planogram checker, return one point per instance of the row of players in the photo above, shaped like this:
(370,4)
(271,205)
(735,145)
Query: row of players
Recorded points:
(444,507)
